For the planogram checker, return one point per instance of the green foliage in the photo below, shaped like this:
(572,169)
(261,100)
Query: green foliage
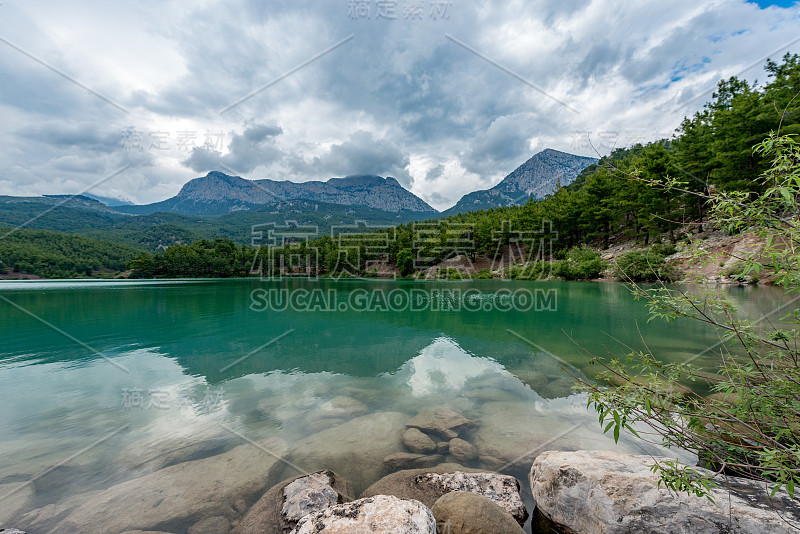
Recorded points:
(57,255)
(751,425)
(448,273)
(644,266)
(484,274)
(405,262)
(682,478)
(530,271)
(220,258)
(159,230)
(581,263)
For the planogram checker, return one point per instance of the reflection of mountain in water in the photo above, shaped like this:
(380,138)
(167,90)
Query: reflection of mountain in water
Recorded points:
(443,366)
(445,369)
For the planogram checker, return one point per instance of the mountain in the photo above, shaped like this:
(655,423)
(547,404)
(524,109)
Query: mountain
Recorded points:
(537,178)
(218,193)
(53,201)
(82,216)
(220,205)
(108,201)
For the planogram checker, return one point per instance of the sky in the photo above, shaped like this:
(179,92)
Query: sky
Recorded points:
(132,100)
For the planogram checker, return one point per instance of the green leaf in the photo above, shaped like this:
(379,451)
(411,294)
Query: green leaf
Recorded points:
(631,430)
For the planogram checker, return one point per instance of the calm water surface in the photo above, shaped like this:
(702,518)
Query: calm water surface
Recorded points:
(106,381)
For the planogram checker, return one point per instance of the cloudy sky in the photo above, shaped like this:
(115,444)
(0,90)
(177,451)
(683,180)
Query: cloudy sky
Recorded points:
(134,99)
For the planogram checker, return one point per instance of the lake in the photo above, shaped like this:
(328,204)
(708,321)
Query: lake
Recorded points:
(106,381)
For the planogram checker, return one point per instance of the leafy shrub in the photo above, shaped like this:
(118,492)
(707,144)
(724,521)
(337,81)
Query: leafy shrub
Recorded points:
(644,266)
(581,263)
(449,273)
(664,249)
(536,270)
(484,274)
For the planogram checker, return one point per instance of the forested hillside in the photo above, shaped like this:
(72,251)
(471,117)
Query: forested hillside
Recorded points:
(159,230)
(48,254)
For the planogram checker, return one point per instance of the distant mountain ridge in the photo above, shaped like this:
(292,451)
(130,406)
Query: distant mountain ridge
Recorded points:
(87,217)
(218,193)
(225,206)
(108,201)
(537,178)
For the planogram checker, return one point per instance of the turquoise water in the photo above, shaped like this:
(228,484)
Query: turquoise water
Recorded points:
(107,381)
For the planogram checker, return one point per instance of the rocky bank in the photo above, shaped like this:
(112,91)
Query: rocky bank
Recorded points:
(419,474)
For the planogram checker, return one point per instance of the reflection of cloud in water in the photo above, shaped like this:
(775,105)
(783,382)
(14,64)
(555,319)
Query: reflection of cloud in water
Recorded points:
(443,366)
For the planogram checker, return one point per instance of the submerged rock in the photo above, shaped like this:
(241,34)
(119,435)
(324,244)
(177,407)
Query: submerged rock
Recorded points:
(514,433)
(149,454)
(382,513)
(279,510)
(492,394)
(318,425)
(463,451)
(445,422)
(355,449)
(417,441)
(16,500)
(407,460)
(462,512)
(61,479)
(341,407)
(211,525)
(179,494)
(45,519)
(557,388)
(608,492)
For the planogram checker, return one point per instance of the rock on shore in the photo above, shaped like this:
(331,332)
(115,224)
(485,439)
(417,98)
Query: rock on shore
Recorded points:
(428,485)
(503,490)
(613,493)
(462,512)
(279,510)
(381,513)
